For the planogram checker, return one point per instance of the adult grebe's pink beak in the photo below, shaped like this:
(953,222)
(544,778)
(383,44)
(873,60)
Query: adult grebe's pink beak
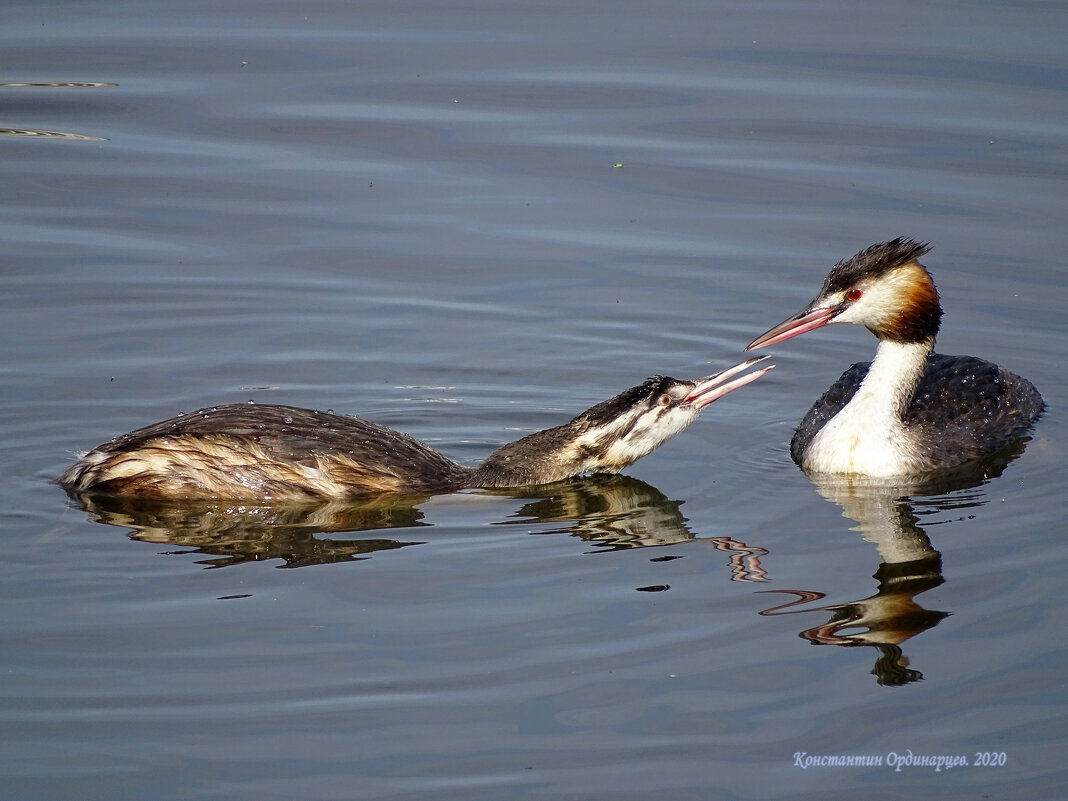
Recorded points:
(808,319)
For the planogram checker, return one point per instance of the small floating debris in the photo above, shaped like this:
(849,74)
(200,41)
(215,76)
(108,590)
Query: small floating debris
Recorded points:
(55,85)
(43,134)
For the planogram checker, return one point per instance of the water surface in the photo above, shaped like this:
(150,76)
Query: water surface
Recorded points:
(470,222)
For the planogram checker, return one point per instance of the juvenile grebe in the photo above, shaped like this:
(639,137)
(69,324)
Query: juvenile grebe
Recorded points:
(910,410)
(255,452)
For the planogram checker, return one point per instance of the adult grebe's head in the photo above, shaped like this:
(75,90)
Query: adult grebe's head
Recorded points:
(884,288)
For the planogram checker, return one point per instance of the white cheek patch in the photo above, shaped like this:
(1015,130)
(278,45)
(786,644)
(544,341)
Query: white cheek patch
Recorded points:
(880,301)
(650,434)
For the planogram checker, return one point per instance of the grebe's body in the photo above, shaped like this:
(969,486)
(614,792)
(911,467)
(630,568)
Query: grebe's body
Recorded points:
(910,410)
(254,452)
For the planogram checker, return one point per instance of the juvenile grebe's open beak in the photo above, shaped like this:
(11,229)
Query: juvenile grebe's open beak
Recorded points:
(712,388)
(808,319)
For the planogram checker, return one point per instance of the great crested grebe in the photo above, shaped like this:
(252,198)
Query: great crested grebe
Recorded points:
(255,452)
(910,410)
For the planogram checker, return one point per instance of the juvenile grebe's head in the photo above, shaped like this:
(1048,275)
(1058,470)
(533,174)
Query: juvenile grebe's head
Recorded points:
(611,435)
(884,288)
(624,428)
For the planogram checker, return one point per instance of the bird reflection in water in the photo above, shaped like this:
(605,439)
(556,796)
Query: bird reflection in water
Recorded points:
(233,534)
(889,515)
(614,511)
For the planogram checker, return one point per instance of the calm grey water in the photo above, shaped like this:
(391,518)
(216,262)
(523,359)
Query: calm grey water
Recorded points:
(469,221)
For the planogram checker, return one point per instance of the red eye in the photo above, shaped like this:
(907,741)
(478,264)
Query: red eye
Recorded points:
(664,400)
(853,294)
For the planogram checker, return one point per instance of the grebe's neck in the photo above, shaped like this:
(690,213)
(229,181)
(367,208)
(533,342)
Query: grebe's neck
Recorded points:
(540,458)
(894,374)
(562,452)
(868,435)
